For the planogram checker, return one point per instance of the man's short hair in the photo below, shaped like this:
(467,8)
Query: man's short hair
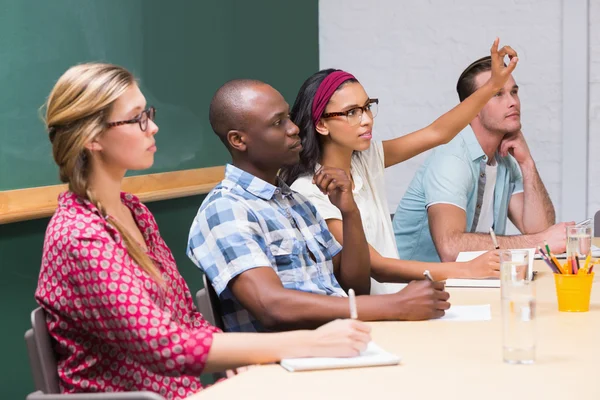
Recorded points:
(227,107)
(466,83)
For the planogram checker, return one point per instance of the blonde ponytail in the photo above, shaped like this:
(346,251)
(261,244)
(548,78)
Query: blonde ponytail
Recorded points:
(76,113)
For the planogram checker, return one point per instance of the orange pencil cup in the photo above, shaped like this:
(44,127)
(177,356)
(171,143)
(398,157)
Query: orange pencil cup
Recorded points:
(573,291)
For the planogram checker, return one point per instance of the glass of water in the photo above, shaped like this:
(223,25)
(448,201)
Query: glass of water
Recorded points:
(518,307)
(579,243)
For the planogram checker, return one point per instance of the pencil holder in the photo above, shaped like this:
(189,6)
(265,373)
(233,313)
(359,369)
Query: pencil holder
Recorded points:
(573,291)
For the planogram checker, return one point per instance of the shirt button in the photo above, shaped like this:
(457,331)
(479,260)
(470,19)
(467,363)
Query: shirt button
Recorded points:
(482,175)
(478,206)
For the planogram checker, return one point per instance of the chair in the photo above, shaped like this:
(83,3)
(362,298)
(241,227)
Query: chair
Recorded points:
(208,304)
(45,372)
(597,224)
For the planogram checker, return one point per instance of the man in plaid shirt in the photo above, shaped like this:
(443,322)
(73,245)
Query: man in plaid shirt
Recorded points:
(265,249)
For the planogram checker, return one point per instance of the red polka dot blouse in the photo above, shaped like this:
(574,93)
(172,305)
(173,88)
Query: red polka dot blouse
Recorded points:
(115,328)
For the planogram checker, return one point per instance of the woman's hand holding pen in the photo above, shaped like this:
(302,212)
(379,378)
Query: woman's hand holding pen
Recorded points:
(340,338)
(486,265)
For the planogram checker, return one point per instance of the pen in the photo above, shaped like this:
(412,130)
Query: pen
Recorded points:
(352,299)
(427,275)
(494,240)
(584,222)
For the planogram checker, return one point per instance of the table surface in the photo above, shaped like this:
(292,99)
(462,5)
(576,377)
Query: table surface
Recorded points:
(452,359)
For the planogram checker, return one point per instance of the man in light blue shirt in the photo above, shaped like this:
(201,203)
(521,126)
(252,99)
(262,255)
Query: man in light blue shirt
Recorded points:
(482,177)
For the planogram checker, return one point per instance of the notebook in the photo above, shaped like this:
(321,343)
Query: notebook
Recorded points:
(482,312)
(371,357)
(488,282)
(595,253)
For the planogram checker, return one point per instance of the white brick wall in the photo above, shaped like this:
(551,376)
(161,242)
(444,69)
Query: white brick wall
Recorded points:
(409,53)
(594,109)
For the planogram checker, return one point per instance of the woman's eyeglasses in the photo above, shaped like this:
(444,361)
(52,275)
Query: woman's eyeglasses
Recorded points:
(354,115)
(142,119)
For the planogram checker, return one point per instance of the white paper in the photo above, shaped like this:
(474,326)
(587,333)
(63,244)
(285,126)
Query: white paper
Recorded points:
(485,283)
(595,253)
(464,256)
(372,356)
(468,313)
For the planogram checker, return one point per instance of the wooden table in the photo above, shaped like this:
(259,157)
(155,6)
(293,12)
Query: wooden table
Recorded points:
(452,360)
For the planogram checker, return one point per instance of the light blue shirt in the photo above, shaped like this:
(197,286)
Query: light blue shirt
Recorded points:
(453,174)
(246,223)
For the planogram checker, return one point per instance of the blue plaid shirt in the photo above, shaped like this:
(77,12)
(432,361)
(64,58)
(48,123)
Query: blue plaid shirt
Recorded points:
(246,223)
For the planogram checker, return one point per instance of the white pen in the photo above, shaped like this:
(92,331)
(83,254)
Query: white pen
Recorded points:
(494,240)
(427,275)
(584,222)
(352,299)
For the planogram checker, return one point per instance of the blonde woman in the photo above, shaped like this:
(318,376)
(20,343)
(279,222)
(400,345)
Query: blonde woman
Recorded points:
(121,314)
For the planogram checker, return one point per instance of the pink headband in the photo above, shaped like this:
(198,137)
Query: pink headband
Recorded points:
(326,89)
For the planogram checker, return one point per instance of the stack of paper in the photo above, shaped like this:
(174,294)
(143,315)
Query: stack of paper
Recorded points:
(372,356)
(489,282)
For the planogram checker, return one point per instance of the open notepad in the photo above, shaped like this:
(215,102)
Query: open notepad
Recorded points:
(489,282)
(371,357)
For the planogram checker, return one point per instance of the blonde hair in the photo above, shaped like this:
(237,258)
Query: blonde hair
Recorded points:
(77,110)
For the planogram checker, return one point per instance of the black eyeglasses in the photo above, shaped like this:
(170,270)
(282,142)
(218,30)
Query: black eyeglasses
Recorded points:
(354,115)
(142,119)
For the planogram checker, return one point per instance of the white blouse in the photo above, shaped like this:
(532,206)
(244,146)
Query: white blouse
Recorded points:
(369,191)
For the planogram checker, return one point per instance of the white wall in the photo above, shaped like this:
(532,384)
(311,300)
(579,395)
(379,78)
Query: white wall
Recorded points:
(409,53)
(594,108)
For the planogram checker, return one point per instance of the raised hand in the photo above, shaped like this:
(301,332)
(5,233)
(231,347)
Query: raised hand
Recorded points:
(500,72)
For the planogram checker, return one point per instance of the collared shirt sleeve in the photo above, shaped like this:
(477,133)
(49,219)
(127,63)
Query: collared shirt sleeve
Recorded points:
(226,240)
(333,246)
(447,180)
(109,301)
(516,177)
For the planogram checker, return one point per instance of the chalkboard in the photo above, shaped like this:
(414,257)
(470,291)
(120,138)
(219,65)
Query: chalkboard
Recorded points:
(181,51)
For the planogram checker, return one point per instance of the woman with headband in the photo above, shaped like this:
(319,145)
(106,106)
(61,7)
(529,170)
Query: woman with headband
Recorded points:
(335,116)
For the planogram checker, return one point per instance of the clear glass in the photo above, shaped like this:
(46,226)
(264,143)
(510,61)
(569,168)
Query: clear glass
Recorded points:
(579,243)
(518,308)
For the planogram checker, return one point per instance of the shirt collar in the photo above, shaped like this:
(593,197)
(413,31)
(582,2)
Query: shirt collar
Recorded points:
(472,143)
(70,199)
(254,185)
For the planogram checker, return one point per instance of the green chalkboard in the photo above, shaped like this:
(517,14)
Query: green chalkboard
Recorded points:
(181,51)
